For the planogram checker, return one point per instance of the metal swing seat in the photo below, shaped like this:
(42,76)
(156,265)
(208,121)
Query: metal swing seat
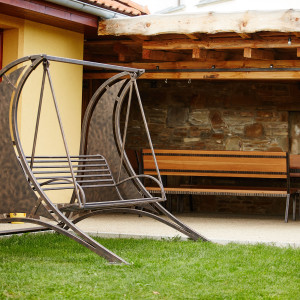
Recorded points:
(101,177)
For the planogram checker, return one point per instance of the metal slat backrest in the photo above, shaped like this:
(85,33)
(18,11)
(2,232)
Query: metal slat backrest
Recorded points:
(52,172)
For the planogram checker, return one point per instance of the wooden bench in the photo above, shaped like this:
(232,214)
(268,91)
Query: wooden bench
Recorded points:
(229,164)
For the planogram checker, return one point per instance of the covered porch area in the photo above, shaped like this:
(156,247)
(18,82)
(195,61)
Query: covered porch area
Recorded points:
(213,82)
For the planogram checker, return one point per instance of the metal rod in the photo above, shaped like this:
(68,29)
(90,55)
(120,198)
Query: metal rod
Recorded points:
(80,181)
(63,135)
(94,65)
(65,160)
(78,156)
(125,131)
(84,186)
(147,131)
(67,166)
(37,123)
(64,171)
(76,176)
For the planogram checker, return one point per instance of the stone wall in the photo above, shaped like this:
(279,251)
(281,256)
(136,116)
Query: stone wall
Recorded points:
(220,115)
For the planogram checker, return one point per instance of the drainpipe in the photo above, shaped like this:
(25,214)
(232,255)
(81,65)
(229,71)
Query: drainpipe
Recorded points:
(89,8)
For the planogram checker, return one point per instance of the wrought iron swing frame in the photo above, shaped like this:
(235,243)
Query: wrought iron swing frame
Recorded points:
(38,203)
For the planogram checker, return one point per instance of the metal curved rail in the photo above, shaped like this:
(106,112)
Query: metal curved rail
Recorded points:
(92,246)
(142,213)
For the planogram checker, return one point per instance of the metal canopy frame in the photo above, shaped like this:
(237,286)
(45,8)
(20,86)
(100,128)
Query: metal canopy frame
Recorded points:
(101,176)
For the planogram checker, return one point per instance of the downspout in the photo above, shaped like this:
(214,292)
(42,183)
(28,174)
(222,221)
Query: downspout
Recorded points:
(89,8)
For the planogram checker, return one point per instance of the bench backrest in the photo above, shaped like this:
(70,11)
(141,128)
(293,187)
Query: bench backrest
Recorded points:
(217,163)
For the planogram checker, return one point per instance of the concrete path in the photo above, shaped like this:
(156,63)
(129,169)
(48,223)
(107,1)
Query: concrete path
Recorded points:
(220,229)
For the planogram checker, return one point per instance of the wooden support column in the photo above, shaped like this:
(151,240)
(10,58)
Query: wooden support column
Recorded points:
(258,54)
(298,52)
(203,54)
(125,53)
(199,53)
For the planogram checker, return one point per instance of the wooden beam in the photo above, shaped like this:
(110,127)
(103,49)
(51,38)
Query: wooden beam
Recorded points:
(244,35)
(209,23)
(101,43)
(218,64)
(298,52)
(163,55)
(272,75)
(258,54)
(140,38)
(289,75)
(220,43)
(195,36)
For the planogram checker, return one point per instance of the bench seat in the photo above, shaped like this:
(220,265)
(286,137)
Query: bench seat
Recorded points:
(220,191)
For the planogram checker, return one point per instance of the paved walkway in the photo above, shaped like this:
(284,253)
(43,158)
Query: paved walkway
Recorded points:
(220,229)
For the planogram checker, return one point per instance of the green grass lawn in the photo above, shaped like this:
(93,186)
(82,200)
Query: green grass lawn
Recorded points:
(51,266)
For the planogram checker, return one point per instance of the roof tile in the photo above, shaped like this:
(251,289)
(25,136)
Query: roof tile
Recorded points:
(127,7)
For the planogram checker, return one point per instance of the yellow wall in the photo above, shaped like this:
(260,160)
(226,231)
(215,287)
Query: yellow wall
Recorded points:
(22,38)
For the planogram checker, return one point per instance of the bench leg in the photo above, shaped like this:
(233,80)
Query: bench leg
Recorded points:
(179,201)
(287,208)
(191,202)
(294,207)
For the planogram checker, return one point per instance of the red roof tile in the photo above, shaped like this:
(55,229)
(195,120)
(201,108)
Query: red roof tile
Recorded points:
(126,7)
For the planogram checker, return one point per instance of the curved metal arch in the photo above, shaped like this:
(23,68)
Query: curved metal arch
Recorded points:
(91,106)
(14,112)
(140,213)
(120,142)
(15,63)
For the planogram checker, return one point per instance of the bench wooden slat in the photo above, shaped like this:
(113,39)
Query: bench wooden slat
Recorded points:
(212,152)
(208,163)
